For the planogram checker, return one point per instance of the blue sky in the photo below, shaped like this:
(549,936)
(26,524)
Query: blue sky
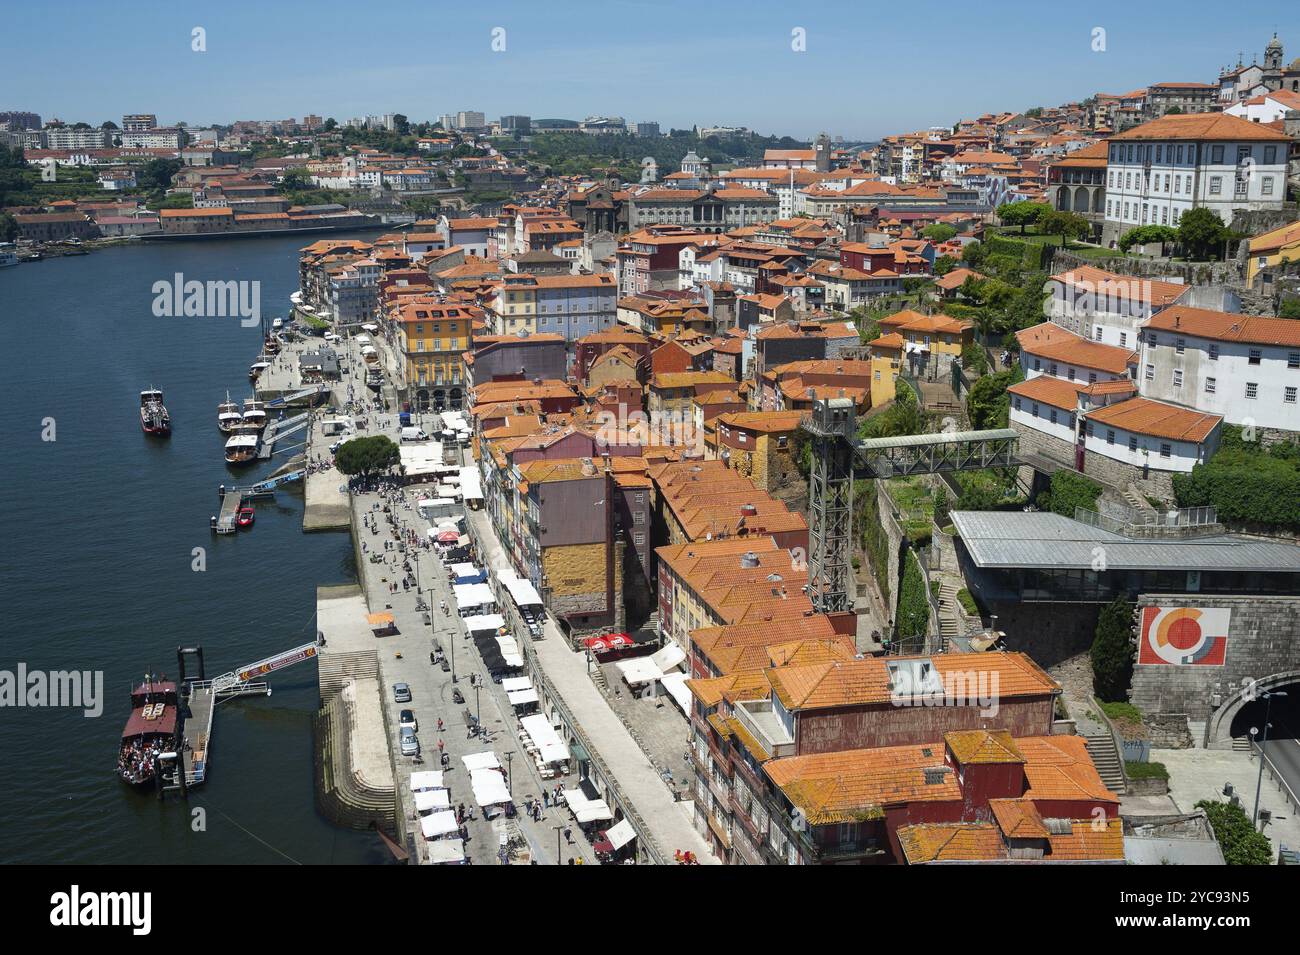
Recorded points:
(869,68)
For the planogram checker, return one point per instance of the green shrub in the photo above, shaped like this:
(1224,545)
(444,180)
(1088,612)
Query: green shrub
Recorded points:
(1246,483)
(1068,491)
(1122,712)
(968,603)
(1237,837)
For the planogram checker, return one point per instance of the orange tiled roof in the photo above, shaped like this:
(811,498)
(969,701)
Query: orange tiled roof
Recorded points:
(1227,327)
(1157,419)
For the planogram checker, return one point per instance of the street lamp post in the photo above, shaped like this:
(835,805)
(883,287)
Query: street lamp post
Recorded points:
(559,851)
(1259,779)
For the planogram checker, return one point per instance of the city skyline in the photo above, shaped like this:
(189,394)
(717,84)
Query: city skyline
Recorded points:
(706,70)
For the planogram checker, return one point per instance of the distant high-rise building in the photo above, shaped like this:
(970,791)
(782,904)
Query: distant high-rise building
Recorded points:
(647,129)
(14,120)
(68,137)
(139,122)
(517,124)
(469,119)
(312,121)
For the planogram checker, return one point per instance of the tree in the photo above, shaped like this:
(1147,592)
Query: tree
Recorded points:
(367,456)
(331,124)
(8,227)
(944,264)
(1022,213)
(939,232)
(973,254)
(1148,233)
(156,174)
(1236,835)
(1112,652)
(1200,231)
(1068,225)
(296,178)
(401,125)
(988,402)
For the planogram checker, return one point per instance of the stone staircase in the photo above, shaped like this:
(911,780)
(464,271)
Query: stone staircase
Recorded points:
(1241,744)
(1101,747)
(1137,500)
(949,610)
(342,795)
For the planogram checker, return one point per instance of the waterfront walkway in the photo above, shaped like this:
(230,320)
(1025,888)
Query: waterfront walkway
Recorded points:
(668,822)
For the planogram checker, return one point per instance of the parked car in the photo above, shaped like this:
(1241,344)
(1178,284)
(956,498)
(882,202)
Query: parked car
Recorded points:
(407,718)
(401,693)
(410,743)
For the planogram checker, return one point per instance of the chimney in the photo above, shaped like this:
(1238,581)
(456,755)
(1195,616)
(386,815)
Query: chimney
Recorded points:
(748,510)
(749,559)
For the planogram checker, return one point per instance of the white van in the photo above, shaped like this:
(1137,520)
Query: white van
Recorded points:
(414,434)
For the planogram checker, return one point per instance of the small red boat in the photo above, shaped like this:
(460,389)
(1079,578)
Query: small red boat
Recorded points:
(149,733)
(245,517)
(154,418)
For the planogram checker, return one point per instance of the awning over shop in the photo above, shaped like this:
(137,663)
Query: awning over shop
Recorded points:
(447,852)
(510,651)
(485,622)
(426,800)
(473,595)
(550,747)
(471,485)
(514,683)
(486,760)
(379,619)
(595,811)
(620,834)
(675,684)
(426,779)
(489,787)
(467,573)
(610,641)
(522,697)
(437,824)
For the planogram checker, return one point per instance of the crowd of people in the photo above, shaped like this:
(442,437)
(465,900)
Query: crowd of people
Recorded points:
(135,762)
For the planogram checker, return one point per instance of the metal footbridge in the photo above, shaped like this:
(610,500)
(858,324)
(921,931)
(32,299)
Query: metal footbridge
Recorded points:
(279,430)
(839,457)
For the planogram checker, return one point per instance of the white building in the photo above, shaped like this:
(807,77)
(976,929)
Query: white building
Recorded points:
(68,137)
(1108,307)
(1267,107)
(1243,367)
(172,137)
(1158,171)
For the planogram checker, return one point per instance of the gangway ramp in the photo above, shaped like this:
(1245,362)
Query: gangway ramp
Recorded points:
(283,401)
(278,430)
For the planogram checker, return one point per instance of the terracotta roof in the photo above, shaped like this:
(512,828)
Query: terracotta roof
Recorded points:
(1122,287)
(1157,419)
(1276,238)
(1201,126)
(1227,327)
(764,421)
(1067,348)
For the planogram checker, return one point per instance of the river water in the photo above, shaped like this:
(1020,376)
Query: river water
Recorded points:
(97,572)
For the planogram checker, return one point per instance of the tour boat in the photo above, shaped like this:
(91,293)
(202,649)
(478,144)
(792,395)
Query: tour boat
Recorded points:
(254,416)
(8,257)
(154,418)
(150,731)
(228,416)
(256,368)
(241,448)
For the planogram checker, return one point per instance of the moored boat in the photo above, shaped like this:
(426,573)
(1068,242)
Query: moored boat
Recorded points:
(150,731)
(228,416)
(241,448)
(256,368)
(154,418)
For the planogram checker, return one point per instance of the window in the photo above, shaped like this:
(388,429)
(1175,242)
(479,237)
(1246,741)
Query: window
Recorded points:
(1052,416)
(1150,372)
(1270,155)
(1214,352)
(1216,155)
(1017,402)
(1180,345)
(1132,443)
(1216,185)
(1210,384)
(1266,185)
(1096,334)
(1293,359)
(1178,378)
(1053,370)
(1036,414)
(1123,339)
(1165,450)
(1252,389)
(1092,377)
(1255,356)
(1288,394)
(1110,436)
